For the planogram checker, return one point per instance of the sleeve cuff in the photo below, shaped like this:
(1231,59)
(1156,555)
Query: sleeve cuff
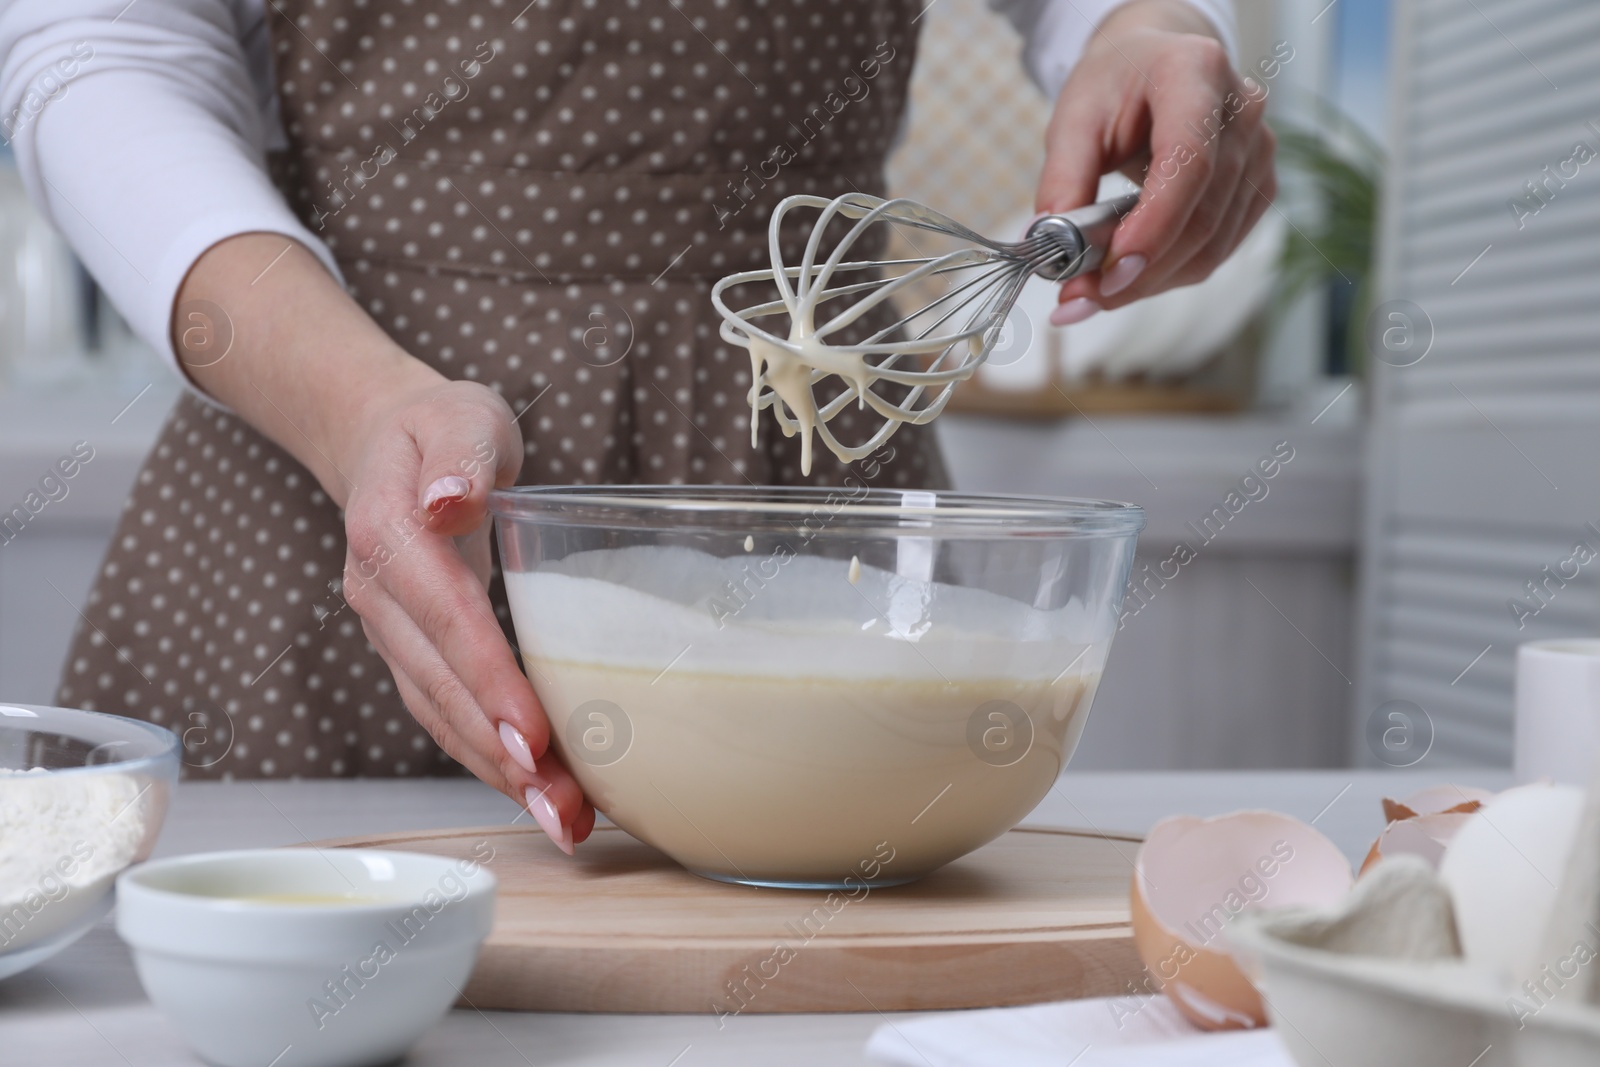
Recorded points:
(1222,17)
(1057,31)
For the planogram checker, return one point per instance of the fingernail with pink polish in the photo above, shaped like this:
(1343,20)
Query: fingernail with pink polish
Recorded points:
(1075,310)
(450,487)
(544,813)
(1123,273)
(517,747)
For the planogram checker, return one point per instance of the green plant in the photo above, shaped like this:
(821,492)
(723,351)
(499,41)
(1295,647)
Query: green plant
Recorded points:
(1336,244)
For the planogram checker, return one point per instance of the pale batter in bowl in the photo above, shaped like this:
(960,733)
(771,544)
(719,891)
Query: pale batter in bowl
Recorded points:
(810,734)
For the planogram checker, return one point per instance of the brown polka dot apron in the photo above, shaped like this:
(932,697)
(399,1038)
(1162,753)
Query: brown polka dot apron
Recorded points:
(536,201)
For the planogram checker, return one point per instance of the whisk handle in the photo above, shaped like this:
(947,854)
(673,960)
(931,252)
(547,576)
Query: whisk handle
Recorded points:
(1085,234)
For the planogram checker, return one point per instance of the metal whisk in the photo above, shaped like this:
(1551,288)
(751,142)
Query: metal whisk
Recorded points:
(961,301)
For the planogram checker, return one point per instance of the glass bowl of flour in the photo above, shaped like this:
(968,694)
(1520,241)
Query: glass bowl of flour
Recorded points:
(82,796)
(814,688)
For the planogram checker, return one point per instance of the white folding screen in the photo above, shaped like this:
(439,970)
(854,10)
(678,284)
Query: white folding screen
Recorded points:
(1484,456)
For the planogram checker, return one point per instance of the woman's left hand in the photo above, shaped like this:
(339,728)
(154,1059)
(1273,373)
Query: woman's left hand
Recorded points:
(410,458)
(1156,97)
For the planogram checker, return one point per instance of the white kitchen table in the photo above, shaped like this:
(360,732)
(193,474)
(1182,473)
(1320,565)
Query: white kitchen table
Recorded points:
(85,1007)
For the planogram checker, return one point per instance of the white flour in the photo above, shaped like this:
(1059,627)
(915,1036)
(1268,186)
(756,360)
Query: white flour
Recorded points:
(63,838)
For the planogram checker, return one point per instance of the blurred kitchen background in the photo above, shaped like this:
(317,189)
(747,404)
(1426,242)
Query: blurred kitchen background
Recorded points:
(1425,352)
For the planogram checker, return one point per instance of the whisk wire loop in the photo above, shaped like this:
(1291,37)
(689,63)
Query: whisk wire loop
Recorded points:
(922,353)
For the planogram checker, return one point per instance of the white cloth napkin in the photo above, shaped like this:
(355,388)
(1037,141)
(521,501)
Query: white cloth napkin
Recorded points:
(1110,1032)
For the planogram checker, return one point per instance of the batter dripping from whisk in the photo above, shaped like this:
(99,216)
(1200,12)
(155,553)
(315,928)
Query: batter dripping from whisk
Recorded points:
(954,332)
(789,375)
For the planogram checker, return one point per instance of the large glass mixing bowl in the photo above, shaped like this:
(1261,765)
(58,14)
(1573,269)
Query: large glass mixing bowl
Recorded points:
(82,796)
(812,687)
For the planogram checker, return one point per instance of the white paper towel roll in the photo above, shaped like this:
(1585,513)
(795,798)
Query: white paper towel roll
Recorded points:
(1557,723)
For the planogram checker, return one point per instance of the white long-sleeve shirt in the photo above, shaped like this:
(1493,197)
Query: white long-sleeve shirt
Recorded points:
(141,129)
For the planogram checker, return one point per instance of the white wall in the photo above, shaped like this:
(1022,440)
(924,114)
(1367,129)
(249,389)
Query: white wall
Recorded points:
(1245,658)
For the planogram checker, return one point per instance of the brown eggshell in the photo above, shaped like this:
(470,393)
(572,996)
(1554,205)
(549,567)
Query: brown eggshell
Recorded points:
(1192,876)
(1436,800)
(1419,835)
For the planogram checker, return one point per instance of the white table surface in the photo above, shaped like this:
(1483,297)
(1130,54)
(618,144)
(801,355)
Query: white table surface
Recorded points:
(85,1007)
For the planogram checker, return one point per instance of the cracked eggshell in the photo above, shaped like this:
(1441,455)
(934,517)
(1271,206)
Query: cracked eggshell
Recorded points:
(1436,800)
(1193,876)
(1503,867)
(1424,823)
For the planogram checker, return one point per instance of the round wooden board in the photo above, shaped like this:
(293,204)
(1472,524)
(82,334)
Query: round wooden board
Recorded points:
(1036,915)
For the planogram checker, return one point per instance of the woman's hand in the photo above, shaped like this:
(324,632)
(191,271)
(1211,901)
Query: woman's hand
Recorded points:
(417,572)
(410,456)
(1155,97)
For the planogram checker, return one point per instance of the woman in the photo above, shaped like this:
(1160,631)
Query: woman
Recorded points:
(526,210)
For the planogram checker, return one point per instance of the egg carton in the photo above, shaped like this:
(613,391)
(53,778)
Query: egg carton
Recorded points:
(1337,1010)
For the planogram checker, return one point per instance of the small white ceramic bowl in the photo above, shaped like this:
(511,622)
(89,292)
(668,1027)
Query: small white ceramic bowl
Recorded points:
(304,957)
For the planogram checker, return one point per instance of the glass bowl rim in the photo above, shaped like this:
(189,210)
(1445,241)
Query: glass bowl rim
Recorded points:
(861,510)
(168,751)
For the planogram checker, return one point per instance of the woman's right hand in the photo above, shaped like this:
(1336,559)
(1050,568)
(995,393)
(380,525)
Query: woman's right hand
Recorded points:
(417,571)
(410,456)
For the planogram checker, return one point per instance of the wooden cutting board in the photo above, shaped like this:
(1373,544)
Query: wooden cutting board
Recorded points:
(1036,915)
